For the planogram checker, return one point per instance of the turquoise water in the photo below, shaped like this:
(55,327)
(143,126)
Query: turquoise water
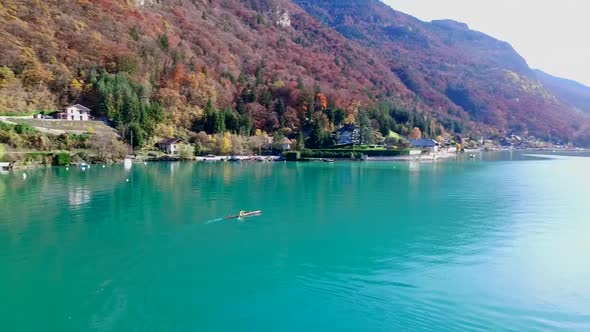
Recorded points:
(496,243)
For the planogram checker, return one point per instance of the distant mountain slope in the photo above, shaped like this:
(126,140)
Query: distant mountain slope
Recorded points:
(568,91)
(455,70)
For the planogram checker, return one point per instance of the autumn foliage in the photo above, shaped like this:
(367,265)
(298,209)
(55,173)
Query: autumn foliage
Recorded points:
(415,134)
(183,66)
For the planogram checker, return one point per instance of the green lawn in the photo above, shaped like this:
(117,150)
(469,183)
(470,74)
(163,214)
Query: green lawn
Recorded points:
(393,134)
(86,126)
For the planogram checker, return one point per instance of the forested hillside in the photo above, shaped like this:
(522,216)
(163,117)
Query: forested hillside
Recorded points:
(454,70)
(161,68)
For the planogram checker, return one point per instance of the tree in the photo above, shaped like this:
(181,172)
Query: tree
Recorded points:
(266,99)
(366,132)
(257,142)
(224,145)
(237,145)
(125,102)
(339,116)
(6,75)
(415,134)
(163,42)
(214,121)
(300,144)
(108,147)
(322,101)
(277,139)
(63,159)
(280,109)
(136,135)
(246,125)
(260,74)
(35,75)
(390,141)
(319,136)
(232,121)
(186,152)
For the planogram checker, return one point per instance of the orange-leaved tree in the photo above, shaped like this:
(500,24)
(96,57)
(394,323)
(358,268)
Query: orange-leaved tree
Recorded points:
(415,134)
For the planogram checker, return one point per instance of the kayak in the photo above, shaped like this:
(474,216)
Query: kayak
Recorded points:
(246,215)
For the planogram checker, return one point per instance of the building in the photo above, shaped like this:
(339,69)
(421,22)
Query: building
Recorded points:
(170,145)
(286,144)
(425,144)
(75,113)
(5,166)
(348,134)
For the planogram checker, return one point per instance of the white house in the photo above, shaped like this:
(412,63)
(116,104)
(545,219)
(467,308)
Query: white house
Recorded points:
(75,113)
(170,145)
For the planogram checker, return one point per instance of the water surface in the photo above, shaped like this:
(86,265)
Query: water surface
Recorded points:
(496,243)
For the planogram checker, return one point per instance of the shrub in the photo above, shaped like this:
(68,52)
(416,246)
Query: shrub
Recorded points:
(186,152)
(349,153)
(62,159)
(293,155)
(24,128)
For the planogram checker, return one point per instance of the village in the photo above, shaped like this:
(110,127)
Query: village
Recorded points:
(77,119)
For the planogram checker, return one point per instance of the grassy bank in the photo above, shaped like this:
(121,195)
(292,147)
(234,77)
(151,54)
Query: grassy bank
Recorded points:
(346,153)
(356,153)
(74,126)
(25,145)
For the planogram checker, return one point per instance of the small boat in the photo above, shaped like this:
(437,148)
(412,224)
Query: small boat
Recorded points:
(245,215)
(234,159)
(326,160)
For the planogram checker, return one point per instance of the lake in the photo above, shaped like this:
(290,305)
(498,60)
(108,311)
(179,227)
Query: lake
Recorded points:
(496,243)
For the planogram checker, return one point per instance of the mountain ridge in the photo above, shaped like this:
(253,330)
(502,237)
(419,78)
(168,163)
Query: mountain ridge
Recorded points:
(570,91)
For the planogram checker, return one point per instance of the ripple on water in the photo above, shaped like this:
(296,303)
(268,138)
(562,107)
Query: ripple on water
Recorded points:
(450,246)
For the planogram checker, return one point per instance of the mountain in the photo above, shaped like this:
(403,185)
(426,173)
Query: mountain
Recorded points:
(568,91)
(172,67)
(455,70)
(264,61)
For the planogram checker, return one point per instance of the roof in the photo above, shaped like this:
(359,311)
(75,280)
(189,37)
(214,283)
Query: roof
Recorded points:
(80,107)
(423,143)
(168,141)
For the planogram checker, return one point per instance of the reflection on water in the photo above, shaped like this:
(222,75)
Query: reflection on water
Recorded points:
(78,196)
(488,244)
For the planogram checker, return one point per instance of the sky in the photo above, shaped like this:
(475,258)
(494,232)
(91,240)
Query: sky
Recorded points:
(552,35)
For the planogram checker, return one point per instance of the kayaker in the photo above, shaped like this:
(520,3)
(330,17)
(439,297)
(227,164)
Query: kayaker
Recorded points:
(242,213)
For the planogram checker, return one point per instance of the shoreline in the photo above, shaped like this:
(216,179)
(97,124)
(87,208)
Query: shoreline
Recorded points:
(439,156)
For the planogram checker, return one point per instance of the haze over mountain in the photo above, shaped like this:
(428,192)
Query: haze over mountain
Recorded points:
(274,65)
(568,91)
